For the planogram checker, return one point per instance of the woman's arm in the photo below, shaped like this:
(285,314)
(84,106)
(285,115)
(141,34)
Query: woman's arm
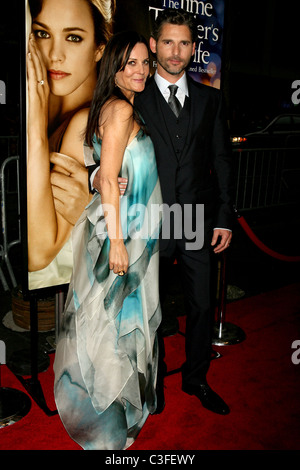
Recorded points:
(115,133)
(47,230)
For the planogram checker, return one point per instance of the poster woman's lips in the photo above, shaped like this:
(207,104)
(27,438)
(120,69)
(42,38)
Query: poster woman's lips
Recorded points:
(57,74)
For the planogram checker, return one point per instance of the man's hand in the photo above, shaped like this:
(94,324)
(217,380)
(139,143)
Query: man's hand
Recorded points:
(225,239)
(122,183)
(69,180)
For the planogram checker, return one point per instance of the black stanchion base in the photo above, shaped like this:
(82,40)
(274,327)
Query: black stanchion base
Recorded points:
(20,362)
(227,334)
(35,390)
(14,405)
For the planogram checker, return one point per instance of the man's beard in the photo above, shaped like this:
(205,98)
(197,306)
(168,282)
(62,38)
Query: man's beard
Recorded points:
(171,69)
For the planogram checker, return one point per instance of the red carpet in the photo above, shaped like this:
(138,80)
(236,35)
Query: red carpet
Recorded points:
(256,378)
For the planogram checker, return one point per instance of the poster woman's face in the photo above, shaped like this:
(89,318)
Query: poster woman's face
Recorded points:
(64,31)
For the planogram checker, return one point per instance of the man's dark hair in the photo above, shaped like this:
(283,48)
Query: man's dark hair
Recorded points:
(174,16)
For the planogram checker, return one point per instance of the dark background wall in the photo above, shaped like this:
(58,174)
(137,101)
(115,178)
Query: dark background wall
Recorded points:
(261,58)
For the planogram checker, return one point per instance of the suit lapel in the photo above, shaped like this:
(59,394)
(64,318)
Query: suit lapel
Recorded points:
(149,105)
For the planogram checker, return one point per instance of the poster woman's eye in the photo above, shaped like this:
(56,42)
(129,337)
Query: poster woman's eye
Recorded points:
(41,34)
(74,38)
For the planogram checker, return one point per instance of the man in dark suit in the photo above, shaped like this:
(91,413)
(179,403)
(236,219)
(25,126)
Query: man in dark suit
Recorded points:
(194,166)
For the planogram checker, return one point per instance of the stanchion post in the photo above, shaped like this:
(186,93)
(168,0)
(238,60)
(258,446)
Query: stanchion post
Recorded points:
(34,328)
(59,307)
(32,384)
(225,333)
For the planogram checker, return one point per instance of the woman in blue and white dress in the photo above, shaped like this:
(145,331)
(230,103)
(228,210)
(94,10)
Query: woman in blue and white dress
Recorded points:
(106,357)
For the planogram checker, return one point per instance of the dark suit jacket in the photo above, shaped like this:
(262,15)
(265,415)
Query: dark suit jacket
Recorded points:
(203,173)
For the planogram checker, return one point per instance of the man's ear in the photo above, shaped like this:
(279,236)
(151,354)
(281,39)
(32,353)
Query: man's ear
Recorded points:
(152,44)
(99,52)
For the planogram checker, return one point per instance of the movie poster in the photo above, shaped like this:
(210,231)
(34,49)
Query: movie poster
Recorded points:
(55,72)
(64,44)
(206,65)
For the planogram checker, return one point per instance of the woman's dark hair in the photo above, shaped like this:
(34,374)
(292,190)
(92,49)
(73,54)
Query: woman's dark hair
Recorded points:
(115,57)
(102,12)
(177,17)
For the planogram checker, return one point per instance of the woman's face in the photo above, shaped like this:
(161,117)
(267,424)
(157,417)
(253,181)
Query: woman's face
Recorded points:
(136,71)
(64,32)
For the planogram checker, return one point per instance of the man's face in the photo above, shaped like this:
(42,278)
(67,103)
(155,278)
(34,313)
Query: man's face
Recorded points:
(174,49)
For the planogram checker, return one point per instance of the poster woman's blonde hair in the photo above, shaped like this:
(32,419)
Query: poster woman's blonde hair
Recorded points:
(106,8)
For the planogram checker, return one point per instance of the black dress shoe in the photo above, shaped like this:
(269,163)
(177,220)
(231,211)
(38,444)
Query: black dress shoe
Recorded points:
(208,398)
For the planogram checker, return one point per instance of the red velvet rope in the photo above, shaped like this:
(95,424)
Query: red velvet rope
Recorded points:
(262,246)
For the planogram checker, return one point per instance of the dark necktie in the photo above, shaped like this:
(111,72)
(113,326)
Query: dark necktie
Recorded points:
(173,102)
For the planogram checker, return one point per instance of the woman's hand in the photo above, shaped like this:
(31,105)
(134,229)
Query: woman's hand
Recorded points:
(70,189)
(118,256)
(38,92)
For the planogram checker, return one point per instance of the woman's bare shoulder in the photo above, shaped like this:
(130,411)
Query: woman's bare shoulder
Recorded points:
(117,109)
(79,120)
(73,139)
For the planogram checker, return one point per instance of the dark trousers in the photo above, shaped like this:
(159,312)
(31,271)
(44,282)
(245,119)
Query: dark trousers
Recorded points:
(196,279)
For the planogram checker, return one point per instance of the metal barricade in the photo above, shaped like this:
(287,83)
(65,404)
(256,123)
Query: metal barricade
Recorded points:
(5,173)
(266,177)
(9,146)
(263,178)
